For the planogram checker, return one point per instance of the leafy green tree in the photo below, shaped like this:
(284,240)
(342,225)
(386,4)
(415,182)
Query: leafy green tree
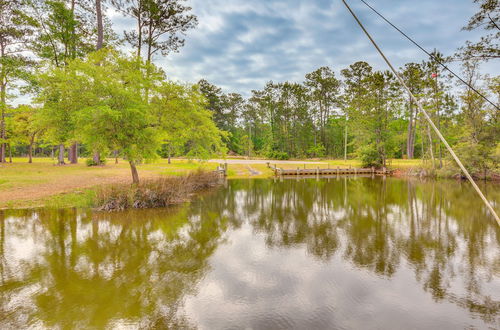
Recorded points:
(487,19)
(26,127)
(14,34)
(436,87)
(324,89)
(105,107)
(184,120)
(62,93)
(479,128)
(413,75)
(160,24)
(66,32)
(116,114)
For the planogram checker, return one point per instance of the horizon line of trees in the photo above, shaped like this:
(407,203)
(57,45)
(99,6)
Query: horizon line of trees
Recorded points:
(89,98)
(364,114)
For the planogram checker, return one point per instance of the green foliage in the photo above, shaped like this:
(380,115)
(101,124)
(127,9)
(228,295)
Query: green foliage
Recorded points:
(184,121)
(92,162)
(160,24)
(278,155)
(316,151)
(103,102)
(486,18)
(369,156)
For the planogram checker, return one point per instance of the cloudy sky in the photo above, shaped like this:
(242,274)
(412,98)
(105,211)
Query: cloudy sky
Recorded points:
(239,45)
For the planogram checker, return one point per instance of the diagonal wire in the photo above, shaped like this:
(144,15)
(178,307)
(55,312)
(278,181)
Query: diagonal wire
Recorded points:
(429,120)
(429,54)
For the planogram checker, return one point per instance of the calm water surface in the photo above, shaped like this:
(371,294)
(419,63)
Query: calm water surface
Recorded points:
(342,253)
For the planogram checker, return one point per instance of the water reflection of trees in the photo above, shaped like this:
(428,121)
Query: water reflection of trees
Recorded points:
(83,269)
(98,270)
(439,229)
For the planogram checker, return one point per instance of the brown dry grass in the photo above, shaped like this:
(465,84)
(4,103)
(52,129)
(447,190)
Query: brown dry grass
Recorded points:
(151,193)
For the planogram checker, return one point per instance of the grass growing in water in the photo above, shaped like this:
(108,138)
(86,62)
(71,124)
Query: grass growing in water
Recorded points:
(151,193)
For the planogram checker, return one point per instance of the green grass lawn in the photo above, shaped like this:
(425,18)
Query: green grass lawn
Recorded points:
(43,183)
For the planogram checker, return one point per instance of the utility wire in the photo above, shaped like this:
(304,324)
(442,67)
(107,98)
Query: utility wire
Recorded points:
(429,54)
(495,215)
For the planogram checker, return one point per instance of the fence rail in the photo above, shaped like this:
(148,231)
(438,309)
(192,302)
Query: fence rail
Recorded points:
(328,171)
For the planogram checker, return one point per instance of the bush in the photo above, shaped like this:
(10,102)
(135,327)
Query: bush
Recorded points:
(159,192)
(369,156)
(278,155)
(316,151)
(91,162)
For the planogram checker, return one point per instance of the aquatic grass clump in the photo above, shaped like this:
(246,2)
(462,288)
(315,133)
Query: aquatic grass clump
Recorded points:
(153,193)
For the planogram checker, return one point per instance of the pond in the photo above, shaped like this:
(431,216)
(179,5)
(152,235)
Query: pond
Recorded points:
(343,253)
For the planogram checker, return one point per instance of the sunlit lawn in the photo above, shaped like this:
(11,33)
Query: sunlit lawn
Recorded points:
(43,170)
(44,183)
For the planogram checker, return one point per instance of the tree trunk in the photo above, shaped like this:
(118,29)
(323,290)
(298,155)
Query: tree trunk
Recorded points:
(438,122)
(139,29)
(100,40)
(345,139)
(430,145)
(100,28)
(135,175)
(410,142)
(30,149)
(2,153)
(97,158)
(116,156)
(60,160)
(73,154)
(3,105)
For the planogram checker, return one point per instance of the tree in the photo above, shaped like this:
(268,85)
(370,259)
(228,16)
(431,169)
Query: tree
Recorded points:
(478,134)
(487,18)
(214,95)
(372,104)
(115,114)
(436,84)
(107,104)
(325,91)
(62,93)
(62,31)
(14,31)
(184,120)
(26,127)
(100,24)
(414,79)
(160,24)
(65,33)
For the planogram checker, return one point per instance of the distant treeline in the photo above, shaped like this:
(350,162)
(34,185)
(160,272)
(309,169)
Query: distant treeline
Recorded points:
(89,98)
(366,114)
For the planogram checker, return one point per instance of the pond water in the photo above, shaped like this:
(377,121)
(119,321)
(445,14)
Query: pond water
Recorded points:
(347,253)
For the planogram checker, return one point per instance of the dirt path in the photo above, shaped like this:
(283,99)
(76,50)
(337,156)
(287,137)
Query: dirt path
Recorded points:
(253,171)
(69,183)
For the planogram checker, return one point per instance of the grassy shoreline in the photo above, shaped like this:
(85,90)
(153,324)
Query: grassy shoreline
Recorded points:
(43,184)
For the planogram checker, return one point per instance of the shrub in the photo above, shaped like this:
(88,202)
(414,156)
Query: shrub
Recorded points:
(159,192)
(91,162)
(369,156)
(316,151)
(278,155)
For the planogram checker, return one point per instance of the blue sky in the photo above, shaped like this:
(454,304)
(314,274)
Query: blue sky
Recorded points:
(239,45)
